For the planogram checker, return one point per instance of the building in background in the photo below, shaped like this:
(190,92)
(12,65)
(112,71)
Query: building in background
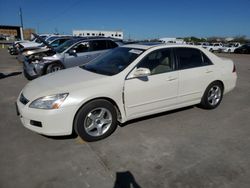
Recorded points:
(27,33)
(172,40)
(93,33)
(10,32)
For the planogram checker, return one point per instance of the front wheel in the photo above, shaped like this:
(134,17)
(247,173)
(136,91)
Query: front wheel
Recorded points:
(212,96)
(54,67)
(96,120)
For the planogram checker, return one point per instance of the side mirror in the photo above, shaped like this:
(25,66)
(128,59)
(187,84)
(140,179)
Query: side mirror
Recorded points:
(141,72)
(72,52)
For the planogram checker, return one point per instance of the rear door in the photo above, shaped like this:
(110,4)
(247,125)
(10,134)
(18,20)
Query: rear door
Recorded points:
(196,72)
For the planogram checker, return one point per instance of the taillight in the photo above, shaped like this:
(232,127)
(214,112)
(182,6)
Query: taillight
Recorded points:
(234,69)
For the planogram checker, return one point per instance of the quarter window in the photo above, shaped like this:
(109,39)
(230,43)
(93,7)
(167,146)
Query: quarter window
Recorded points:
(206,60)
(157,62)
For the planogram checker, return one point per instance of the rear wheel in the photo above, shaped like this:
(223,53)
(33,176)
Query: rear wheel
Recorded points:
(212,96)
(53,67)
(96,120)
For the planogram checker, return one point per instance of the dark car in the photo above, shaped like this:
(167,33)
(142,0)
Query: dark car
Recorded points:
(245,49)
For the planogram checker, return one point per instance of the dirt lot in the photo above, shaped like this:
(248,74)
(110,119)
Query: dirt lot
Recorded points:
(187,148)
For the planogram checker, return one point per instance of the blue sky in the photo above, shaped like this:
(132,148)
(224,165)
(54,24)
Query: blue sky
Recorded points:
(138,19)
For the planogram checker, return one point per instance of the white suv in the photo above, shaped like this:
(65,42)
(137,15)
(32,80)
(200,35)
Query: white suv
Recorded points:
(214,47)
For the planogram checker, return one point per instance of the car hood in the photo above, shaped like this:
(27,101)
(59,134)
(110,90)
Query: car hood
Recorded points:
(35,51)
(43,41)
(30,44)
(64,81)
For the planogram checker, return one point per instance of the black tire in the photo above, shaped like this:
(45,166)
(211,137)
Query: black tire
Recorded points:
(83,118)
(210,101)
(53,67)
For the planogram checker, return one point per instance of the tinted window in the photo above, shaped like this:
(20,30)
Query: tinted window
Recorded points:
(157,62)
(62,41)
(188,58)
(55,43)
(65,46)
(98,45)
(111,44)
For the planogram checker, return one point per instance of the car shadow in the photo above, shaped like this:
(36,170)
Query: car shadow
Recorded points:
(130,122)
(5,75)
(67,137)
(155,116)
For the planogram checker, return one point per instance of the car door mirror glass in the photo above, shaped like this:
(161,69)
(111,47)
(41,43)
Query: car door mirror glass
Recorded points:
(72,52)
(141,72)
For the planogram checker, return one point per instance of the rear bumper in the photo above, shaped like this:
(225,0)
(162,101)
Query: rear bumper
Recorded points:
(230,83)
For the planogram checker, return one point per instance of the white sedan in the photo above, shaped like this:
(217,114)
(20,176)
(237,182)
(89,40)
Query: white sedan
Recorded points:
(127,83)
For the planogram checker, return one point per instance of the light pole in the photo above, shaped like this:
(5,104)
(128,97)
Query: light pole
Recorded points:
(21,18)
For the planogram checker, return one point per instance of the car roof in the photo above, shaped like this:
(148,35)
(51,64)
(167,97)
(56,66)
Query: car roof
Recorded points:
(78,39)
(147,46)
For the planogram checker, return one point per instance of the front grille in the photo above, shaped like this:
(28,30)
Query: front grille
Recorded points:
(23,100)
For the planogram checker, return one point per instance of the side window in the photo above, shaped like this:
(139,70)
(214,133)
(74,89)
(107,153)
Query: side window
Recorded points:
(98,45)
(82,47)
(157,62)
(188,58)
(111,44)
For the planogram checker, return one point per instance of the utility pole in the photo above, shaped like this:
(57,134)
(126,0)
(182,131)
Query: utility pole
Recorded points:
(21,18)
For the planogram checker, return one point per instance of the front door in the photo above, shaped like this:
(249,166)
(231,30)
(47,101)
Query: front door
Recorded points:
(81,56)
(156,92)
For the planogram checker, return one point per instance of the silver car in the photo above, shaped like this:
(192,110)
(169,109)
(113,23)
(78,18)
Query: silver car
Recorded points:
(72,53)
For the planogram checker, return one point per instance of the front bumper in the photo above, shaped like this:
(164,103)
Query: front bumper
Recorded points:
(32,70)
(57,122)
(13,50)
(20,58)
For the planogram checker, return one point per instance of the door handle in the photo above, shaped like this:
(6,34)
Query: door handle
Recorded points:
(171,79)
(209,71)
(88,56)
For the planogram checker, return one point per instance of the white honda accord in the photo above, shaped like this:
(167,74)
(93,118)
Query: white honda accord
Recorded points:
(126,83)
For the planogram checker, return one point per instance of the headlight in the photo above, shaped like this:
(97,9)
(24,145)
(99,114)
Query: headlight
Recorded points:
(49,102)
(28,53)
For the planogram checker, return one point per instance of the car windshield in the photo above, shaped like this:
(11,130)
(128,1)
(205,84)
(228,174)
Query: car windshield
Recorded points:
(65,46)
(114,61)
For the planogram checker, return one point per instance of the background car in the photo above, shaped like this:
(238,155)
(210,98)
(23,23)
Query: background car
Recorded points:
(17,45)
(229,48)
(245,49)
(214,47)
(128,82)
(72,53)
(44,49)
